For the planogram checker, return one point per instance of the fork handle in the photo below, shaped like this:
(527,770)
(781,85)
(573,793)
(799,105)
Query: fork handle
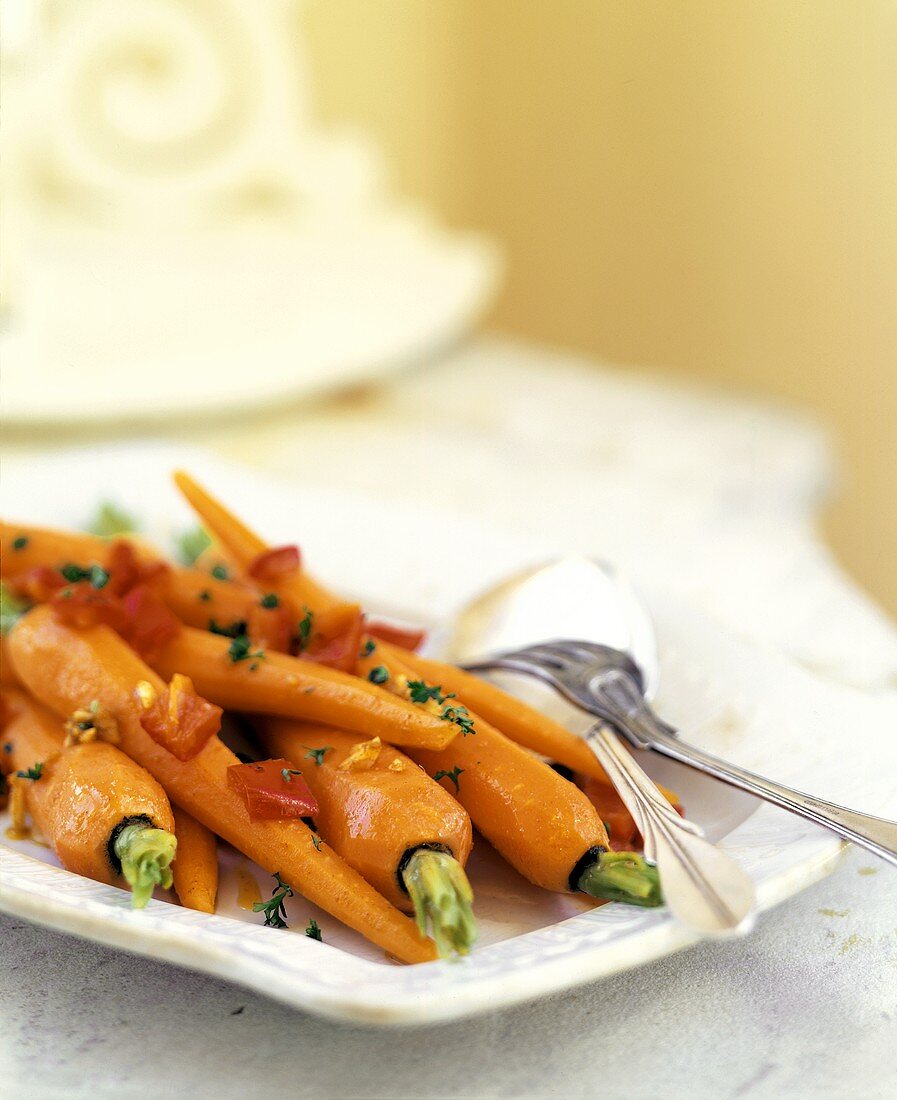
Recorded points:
(702,885)
(621,702)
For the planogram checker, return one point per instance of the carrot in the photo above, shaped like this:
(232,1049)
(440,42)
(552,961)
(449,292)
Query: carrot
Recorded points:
(244,546)
(199,599)
(195,867)
(543,825)
(24,547)
(102,814)
(66,667)
(388,819)
(7,673)
(274,683)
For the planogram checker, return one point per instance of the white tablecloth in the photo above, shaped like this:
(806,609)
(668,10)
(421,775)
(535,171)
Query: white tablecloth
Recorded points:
(709,498)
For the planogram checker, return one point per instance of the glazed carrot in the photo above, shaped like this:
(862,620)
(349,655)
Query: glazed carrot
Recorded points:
(24,547)
(66,667)
(274,683)
(542,824)
(388,819)
(244,546)
(102,814)
(195,868)
(7,672)
(198,598)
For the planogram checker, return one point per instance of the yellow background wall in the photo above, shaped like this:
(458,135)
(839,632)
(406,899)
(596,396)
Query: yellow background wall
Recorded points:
(708,187)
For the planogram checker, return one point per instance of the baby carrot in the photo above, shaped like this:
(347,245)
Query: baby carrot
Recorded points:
(388,819)
(542,824)
(195,868)
(231,674)
(102,814)
(65,667)
(244,546)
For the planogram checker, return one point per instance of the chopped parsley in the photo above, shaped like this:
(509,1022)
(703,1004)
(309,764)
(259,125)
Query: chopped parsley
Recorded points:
(240,649)
(34,772)
(461,717)
(453,775)
(313,930)
(303,630)
(420,691)
(220,573)
(379,675)
(20,543)
(11,609)
(317,754)
(110,520)
(234,630)
(288,774)
(316,840)
(368,648)
(191,544)
(269,600)
(7,748)
(96,574)
(205,595)
(275,913)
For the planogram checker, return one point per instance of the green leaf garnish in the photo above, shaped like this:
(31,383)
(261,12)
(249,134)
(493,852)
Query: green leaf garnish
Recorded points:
(317,754)
(110,520)
(191,544)
(420,691)
(269,600)
(221,572)
(303,630)
(379,675)
(34,772)
(368,648)
(240,649)
(316,840)
(275,913)
(288,773)
(20,543)
(313,930)
(453,775)
(234,630)
(461,717)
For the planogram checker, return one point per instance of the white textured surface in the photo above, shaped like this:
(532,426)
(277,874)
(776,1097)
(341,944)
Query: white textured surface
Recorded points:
(688,492)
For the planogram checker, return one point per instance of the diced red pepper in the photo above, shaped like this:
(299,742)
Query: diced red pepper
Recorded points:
(276,563)
(272,789)
(148,623)
(339,651)
(180,720)
(406,637)
(81,605)
(126,570)
(37,585)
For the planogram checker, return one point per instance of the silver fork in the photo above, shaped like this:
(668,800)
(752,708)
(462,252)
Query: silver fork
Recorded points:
(606,682)
(702,885)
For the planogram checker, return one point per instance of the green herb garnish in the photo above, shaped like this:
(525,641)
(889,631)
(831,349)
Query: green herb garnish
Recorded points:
(368,648)
(233,631)
(220,573)
(205,595)
(288,773)
(317,754)
(192,544)
(461,717)
(313,930)
(110,520)
(453,775)
(20,543)
(269,600)
(240,649)
(316,840)
(34,772)
(421,692)
(11,609)
(303,630)
(379,675)
(275,913)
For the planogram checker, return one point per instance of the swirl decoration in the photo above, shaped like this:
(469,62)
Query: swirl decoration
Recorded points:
(166,103)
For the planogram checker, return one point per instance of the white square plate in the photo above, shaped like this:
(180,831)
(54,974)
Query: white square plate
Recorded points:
(731,697)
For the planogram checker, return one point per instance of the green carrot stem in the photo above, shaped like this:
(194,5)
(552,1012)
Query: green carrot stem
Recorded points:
(145,855)
(622,876)
(442,897)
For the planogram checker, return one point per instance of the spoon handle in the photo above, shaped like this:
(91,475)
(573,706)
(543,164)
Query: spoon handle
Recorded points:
(620,701)
(702,885)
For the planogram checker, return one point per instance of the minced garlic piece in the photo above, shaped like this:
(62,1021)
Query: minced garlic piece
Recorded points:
(92,723)
(146,693)
(396,766)
(362,756)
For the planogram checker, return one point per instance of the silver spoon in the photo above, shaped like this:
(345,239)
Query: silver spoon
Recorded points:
(576,598)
